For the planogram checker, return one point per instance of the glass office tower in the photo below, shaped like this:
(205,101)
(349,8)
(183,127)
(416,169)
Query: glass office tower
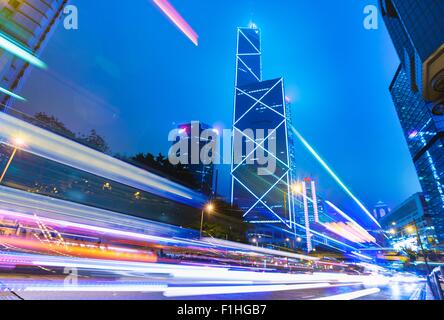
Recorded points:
(29,23)
(417,30)
(259,105)
(203,173)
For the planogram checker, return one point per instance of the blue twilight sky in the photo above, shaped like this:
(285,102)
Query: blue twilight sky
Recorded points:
(130,74)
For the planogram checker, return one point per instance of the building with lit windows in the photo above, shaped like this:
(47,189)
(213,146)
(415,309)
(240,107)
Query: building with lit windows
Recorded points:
(401,223)
(203,173)
(260,105)
(417,30)
(29,24)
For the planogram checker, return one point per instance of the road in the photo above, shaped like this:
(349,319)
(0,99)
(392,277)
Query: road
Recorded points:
(103,285)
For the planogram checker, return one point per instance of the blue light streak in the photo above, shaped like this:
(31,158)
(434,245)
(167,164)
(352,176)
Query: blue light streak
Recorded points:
(18,50)
(12,94)
(334,176)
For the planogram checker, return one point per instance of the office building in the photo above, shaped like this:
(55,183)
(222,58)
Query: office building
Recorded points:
(417,30)
(404,221)
(30,24)
(203,173)
(260,104)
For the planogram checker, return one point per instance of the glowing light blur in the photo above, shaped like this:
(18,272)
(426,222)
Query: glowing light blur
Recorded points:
(334,176)
(352,295)
(12,94)
(198,291)
(18,50)
(356,226)
(177,19)
(95,229)
(56,148)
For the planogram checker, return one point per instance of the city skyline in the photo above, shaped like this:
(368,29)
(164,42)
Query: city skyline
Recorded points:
(307,83)
(222,150)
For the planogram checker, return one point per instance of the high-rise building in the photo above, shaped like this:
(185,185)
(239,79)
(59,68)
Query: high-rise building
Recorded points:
(28,23)
(202,172)
(417,30)
(401,223)
(259,105)
(310,202)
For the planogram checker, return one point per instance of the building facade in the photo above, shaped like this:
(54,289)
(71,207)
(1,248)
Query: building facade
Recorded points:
(29,24)
(417,30)
(402,222)
(202,172)
(259,105)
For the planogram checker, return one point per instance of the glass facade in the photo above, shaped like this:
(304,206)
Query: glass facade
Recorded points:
(259,105)
(29,23)
(417,30)
(202,173)
(411,213)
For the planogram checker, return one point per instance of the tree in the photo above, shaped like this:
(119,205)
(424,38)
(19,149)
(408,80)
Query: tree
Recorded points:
(226,222)
(51,123)
(96,141)
(162,166)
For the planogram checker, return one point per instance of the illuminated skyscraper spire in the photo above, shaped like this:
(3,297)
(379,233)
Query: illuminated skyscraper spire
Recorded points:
(259,105)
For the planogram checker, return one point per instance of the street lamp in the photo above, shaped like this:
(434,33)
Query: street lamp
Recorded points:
(410,229)
(17,143)
(208,208)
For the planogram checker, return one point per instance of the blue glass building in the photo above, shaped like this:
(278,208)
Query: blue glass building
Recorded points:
(260,105)
(417,30)
(30,23)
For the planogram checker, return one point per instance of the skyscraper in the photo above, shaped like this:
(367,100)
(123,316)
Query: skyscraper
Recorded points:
(203,173)
(259,105)
(417,30)
(411,213)
(311,212)
(28,23)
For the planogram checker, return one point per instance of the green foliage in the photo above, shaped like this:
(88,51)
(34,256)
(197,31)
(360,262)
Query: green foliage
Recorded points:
(51,123)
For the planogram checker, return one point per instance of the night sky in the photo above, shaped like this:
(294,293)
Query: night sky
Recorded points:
(131,75)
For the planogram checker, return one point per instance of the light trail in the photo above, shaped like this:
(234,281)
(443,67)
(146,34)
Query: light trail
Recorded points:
(352,295)
(183,272)
(357,225)
(12,94)
(98,288)
(325,237)
(53,147)
(99,230)
(17,201)
(19,51)
(204,291)
(361,255)
(334,176)
(361,237)
(235,245)
(177,19)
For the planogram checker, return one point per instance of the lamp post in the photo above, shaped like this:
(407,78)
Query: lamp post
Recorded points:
(208,208)
(418,239)
(17,143)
